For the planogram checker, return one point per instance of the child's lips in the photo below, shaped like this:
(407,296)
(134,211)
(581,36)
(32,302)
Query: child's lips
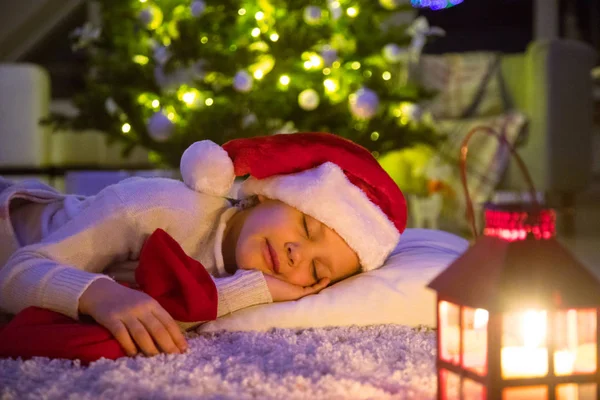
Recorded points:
(272,258)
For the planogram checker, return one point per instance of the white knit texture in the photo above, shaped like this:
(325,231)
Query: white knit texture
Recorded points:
(106,233)
(244,289)
(65,288)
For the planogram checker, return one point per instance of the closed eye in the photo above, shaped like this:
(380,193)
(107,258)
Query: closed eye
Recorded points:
(305,226)
(313,265)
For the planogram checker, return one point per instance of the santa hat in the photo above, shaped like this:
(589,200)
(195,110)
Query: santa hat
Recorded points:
(323,175)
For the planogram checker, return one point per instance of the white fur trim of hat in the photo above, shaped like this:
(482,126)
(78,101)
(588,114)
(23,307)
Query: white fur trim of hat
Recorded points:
(325,193)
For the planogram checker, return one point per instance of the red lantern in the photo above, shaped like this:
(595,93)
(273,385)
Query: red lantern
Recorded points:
(517,313)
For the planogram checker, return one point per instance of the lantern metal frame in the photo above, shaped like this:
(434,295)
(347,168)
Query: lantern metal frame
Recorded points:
(514,268)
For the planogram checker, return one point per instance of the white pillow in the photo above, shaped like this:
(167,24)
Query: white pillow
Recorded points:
(396,293)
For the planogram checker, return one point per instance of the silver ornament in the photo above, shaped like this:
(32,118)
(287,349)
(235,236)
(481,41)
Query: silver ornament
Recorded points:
(85,35)
(308,99)
(393,53)
(243,81)
(198,7)
(111,106)
(249,120)
(160,127)
(312,15)
(329,55)
(161,55)
(364,103)
(335,9)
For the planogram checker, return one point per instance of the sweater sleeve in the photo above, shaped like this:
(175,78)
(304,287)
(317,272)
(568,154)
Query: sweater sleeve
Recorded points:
(54,273)
(241,290)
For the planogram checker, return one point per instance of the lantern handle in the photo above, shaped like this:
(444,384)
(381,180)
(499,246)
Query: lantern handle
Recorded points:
(464,149)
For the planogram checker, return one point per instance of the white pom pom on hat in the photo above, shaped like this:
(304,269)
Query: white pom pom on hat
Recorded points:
(206,167)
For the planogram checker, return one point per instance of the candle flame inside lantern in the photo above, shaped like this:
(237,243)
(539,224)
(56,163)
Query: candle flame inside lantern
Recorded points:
(533,328)
(481,318)
(524,353)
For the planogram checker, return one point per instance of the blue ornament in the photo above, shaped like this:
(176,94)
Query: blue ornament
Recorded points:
(160,127)
(329,55)
(242,82)
(364,103)
(198,8)
(312,15)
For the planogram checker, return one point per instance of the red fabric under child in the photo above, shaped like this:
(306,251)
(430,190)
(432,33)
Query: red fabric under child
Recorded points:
(179,283)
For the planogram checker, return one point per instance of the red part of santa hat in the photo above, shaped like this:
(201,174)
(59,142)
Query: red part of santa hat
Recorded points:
(323,175)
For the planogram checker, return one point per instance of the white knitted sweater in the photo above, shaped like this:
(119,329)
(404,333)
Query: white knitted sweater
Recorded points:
(100,237)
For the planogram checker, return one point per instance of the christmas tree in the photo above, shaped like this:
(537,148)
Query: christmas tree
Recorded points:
(165,73)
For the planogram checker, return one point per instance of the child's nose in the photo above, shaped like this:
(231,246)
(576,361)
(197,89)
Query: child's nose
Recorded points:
(293,254)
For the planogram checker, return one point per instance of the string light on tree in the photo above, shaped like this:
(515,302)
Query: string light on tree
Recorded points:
(284,80)
(352,12)
(126,128)
(308,99)
(393,4)
(192,98)
(140,59)
(331,85)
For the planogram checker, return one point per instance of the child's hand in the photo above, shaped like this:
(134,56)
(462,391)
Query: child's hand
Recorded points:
(285,291)
(130,314)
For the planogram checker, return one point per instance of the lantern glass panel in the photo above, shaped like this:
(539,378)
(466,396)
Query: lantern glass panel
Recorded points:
(575,342)
(449,332)
(524,344)
(449,385)
(475,322)
(573,391)
(525,393)
(473,390)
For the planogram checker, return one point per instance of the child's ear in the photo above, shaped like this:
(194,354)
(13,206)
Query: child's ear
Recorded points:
(261,198)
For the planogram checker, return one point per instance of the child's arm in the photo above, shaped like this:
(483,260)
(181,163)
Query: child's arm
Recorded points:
(249,287)
(56,273)
(241,290)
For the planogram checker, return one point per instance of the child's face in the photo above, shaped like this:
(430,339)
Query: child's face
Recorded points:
(279,240)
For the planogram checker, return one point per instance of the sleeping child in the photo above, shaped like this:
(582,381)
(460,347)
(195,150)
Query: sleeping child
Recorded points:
(315,209)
